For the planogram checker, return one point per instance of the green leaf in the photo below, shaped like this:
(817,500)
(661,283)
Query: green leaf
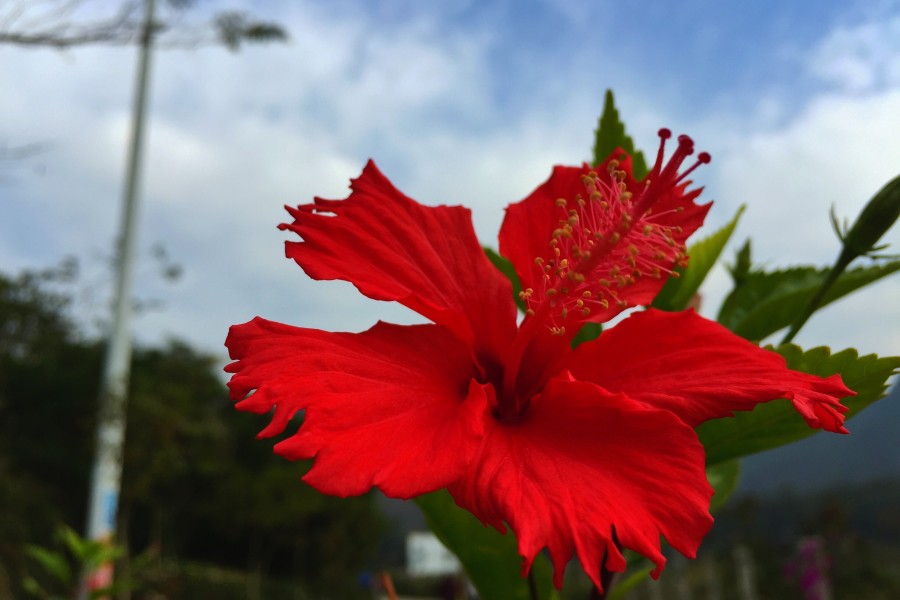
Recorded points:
(53,562)
(767,302)
(31,586)
(677,293)
(491,559)
(507,268)
(724,478)
(776,423)
(629,583)
(743,263)
(587,333)
(610,134)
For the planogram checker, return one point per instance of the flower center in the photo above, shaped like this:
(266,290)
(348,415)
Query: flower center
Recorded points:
(608,239)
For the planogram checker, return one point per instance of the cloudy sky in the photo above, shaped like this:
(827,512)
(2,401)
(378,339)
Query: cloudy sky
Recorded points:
(459,102)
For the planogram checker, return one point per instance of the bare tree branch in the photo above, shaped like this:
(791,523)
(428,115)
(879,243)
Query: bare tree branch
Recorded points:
(61,24)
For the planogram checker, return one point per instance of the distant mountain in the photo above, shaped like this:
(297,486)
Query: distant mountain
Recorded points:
(871,451)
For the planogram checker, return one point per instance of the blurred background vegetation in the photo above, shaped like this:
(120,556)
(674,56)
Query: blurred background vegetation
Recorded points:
(206,507)
(207,511)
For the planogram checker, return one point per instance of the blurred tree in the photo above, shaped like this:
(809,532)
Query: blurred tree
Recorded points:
(196,487)
(70,23)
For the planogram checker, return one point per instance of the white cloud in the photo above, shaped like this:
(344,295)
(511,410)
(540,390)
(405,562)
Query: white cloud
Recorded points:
(234,137)
(839,149)
(860,58)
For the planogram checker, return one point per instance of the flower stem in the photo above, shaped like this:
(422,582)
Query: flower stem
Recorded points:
(532,585)
(837,270)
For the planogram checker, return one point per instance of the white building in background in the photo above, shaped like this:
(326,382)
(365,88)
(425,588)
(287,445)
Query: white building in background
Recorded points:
(426,555)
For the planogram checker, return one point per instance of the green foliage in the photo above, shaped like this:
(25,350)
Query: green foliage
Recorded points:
(678,292)
(491,559)
(743,262)
(83,556)
(630,582)
(234,28)
(768,301)
(776,423)
(506,267)
(587,333)
(610,134)
(724,478)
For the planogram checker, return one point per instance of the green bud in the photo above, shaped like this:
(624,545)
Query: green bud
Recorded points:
(874,220)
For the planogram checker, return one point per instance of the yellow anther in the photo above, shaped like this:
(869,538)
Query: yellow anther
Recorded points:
(586,255)
(682,263)
(648,229)
(557,233)
(598,236)
(604,304)
(578,277)
(585,312)
(564,263)
(573,212)
(621,281)
(614,238)
(551,291)
(630,281)
(586,294)
(556,250)
(604,283)
(538,261)
(529,312)
(621,303)
(564,313)
(676,274)
(580,304)
(562,331)
(604,205)
(679,209)
(633,250)
(587,180)
(630,260)
(614,271)
(670,241)
(581,202)
(561,202)
(554,242)
(627,196)
(572,220)
(636,274)
(564,290)
(678,229)
(659,255)
(613,165)
(529,291)
(596,196)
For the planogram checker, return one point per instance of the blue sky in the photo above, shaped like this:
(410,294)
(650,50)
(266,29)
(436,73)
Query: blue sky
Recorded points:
(459,102)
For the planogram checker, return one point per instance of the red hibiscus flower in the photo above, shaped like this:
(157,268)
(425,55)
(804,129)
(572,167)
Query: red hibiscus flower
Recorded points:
(578,451)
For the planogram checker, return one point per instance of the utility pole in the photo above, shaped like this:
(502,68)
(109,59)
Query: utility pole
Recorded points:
(106,477)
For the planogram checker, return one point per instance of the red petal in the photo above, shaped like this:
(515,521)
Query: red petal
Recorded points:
(529,226)
(395,407)
(427,258)
(699,370)
(586,467)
